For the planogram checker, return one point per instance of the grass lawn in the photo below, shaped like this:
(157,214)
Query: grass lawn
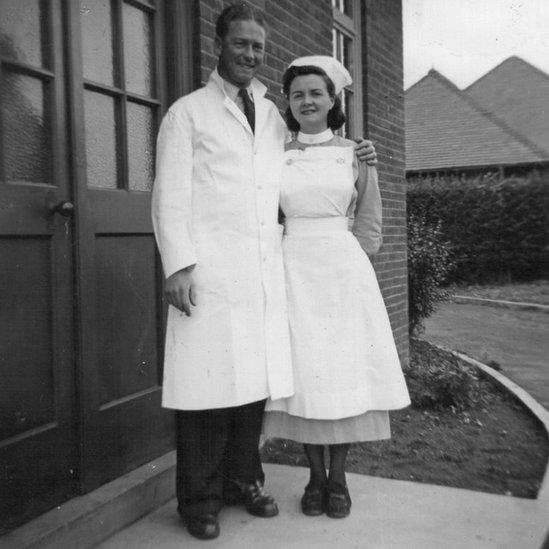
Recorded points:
(527,292)
(514,339)
(495,446)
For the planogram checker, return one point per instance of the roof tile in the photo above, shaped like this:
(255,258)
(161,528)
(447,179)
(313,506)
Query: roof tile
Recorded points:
(445,128)
(518,94)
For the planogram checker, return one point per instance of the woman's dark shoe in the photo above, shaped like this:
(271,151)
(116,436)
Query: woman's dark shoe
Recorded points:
(338,504)
(313,502)
(202,526)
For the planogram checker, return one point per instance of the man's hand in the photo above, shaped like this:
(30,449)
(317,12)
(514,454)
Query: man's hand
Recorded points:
(180,290)
(366,151)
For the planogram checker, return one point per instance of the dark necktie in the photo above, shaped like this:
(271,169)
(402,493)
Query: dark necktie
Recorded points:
(249,109)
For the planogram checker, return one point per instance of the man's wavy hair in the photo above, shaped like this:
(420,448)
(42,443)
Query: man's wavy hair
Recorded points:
(336,116)
(241,11)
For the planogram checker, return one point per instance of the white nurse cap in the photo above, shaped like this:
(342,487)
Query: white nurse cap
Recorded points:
(335,70)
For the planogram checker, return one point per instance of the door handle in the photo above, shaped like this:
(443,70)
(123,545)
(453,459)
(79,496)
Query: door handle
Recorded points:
(64,208)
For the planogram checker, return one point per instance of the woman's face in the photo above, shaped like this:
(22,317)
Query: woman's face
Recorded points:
(310,102)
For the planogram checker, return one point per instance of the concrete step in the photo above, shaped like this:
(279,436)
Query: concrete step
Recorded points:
(86,521)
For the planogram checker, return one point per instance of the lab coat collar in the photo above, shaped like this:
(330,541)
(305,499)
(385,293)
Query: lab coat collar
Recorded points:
(258,90)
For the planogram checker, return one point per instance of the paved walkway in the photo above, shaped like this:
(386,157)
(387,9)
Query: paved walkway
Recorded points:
(517,339)
(386,514)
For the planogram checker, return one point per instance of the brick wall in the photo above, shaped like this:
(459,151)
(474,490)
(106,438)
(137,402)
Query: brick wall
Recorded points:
(296,28)
(304,27)
(384,122)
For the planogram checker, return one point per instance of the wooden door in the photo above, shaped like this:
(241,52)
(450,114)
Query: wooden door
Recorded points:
(38,443)
(118,95)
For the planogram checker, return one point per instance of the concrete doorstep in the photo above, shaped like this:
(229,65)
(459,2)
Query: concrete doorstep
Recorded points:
(86,521)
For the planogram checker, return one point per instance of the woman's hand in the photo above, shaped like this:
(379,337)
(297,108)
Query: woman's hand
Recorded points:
(180,290)
(365,151)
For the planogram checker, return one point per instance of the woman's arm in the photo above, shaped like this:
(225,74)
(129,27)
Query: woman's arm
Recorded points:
(367,223)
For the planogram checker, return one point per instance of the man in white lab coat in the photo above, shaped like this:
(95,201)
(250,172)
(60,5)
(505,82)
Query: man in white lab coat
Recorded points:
(215,204)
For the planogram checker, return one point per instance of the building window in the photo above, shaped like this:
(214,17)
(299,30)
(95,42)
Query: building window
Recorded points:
(346,47)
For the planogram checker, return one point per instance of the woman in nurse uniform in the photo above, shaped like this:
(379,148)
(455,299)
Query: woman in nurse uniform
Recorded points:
(347,374)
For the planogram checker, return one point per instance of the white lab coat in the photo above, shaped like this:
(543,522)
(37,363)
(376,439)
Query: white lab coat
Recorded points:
(215,203)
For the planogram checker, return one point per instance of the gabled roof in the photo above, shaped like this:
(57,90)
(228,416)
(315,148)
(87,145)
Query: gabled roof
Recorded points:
(517,93)
(446,129)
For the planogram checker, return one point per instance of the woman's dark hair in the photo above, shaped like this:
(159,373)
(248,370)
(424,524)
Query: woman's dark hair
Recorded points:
(336,116)
(240,11)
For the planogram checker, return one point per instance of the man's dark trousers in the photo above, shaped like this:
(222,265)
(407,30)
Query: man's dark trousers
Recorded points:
(217,451)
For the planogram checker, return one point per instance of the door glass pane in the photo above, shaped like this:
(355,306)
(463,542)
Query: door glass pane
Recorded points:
(337,44)
(140,146)
(138,51)
(97,40)
(21,31)
(347,7)
(348,60)
(26,128)
(101,146)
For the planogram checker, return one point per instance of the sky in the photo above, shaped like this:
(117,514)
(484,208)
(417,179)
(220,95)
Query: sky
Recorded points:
(464,39)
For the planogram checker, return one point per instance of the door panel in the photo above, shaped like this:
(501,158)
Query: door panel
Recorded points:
(28,276)
(126,335)
(38,444)
(121,312)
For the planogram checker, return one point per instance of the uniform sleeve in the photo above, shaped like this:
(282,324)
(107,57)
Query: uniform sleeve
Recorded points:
(367,214)
(172,193)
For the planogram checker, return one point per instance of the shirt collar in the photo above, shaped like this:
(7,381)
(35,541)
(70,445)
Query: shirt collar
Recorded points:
(315,138)
(258,88)
(231,91)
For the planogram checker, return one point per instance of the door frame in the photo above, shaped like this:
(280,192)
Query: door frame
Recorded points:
(182,47)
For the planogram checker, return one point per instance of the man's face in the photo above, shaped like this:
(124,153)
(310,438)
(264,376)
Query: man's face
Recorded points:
(241,52)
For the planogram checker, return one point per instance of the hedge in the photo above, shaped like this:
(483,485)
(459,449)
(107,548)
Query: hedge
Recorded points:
(497,231)
(428,266)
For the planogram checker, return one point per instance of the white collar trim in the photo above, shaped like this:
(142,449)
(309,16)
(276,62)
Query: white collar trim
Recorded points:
(315,138)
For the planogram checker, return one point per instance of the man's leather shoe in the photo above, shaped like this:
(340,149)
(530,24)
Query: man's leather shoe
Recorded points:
(202,526)
(257,502)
